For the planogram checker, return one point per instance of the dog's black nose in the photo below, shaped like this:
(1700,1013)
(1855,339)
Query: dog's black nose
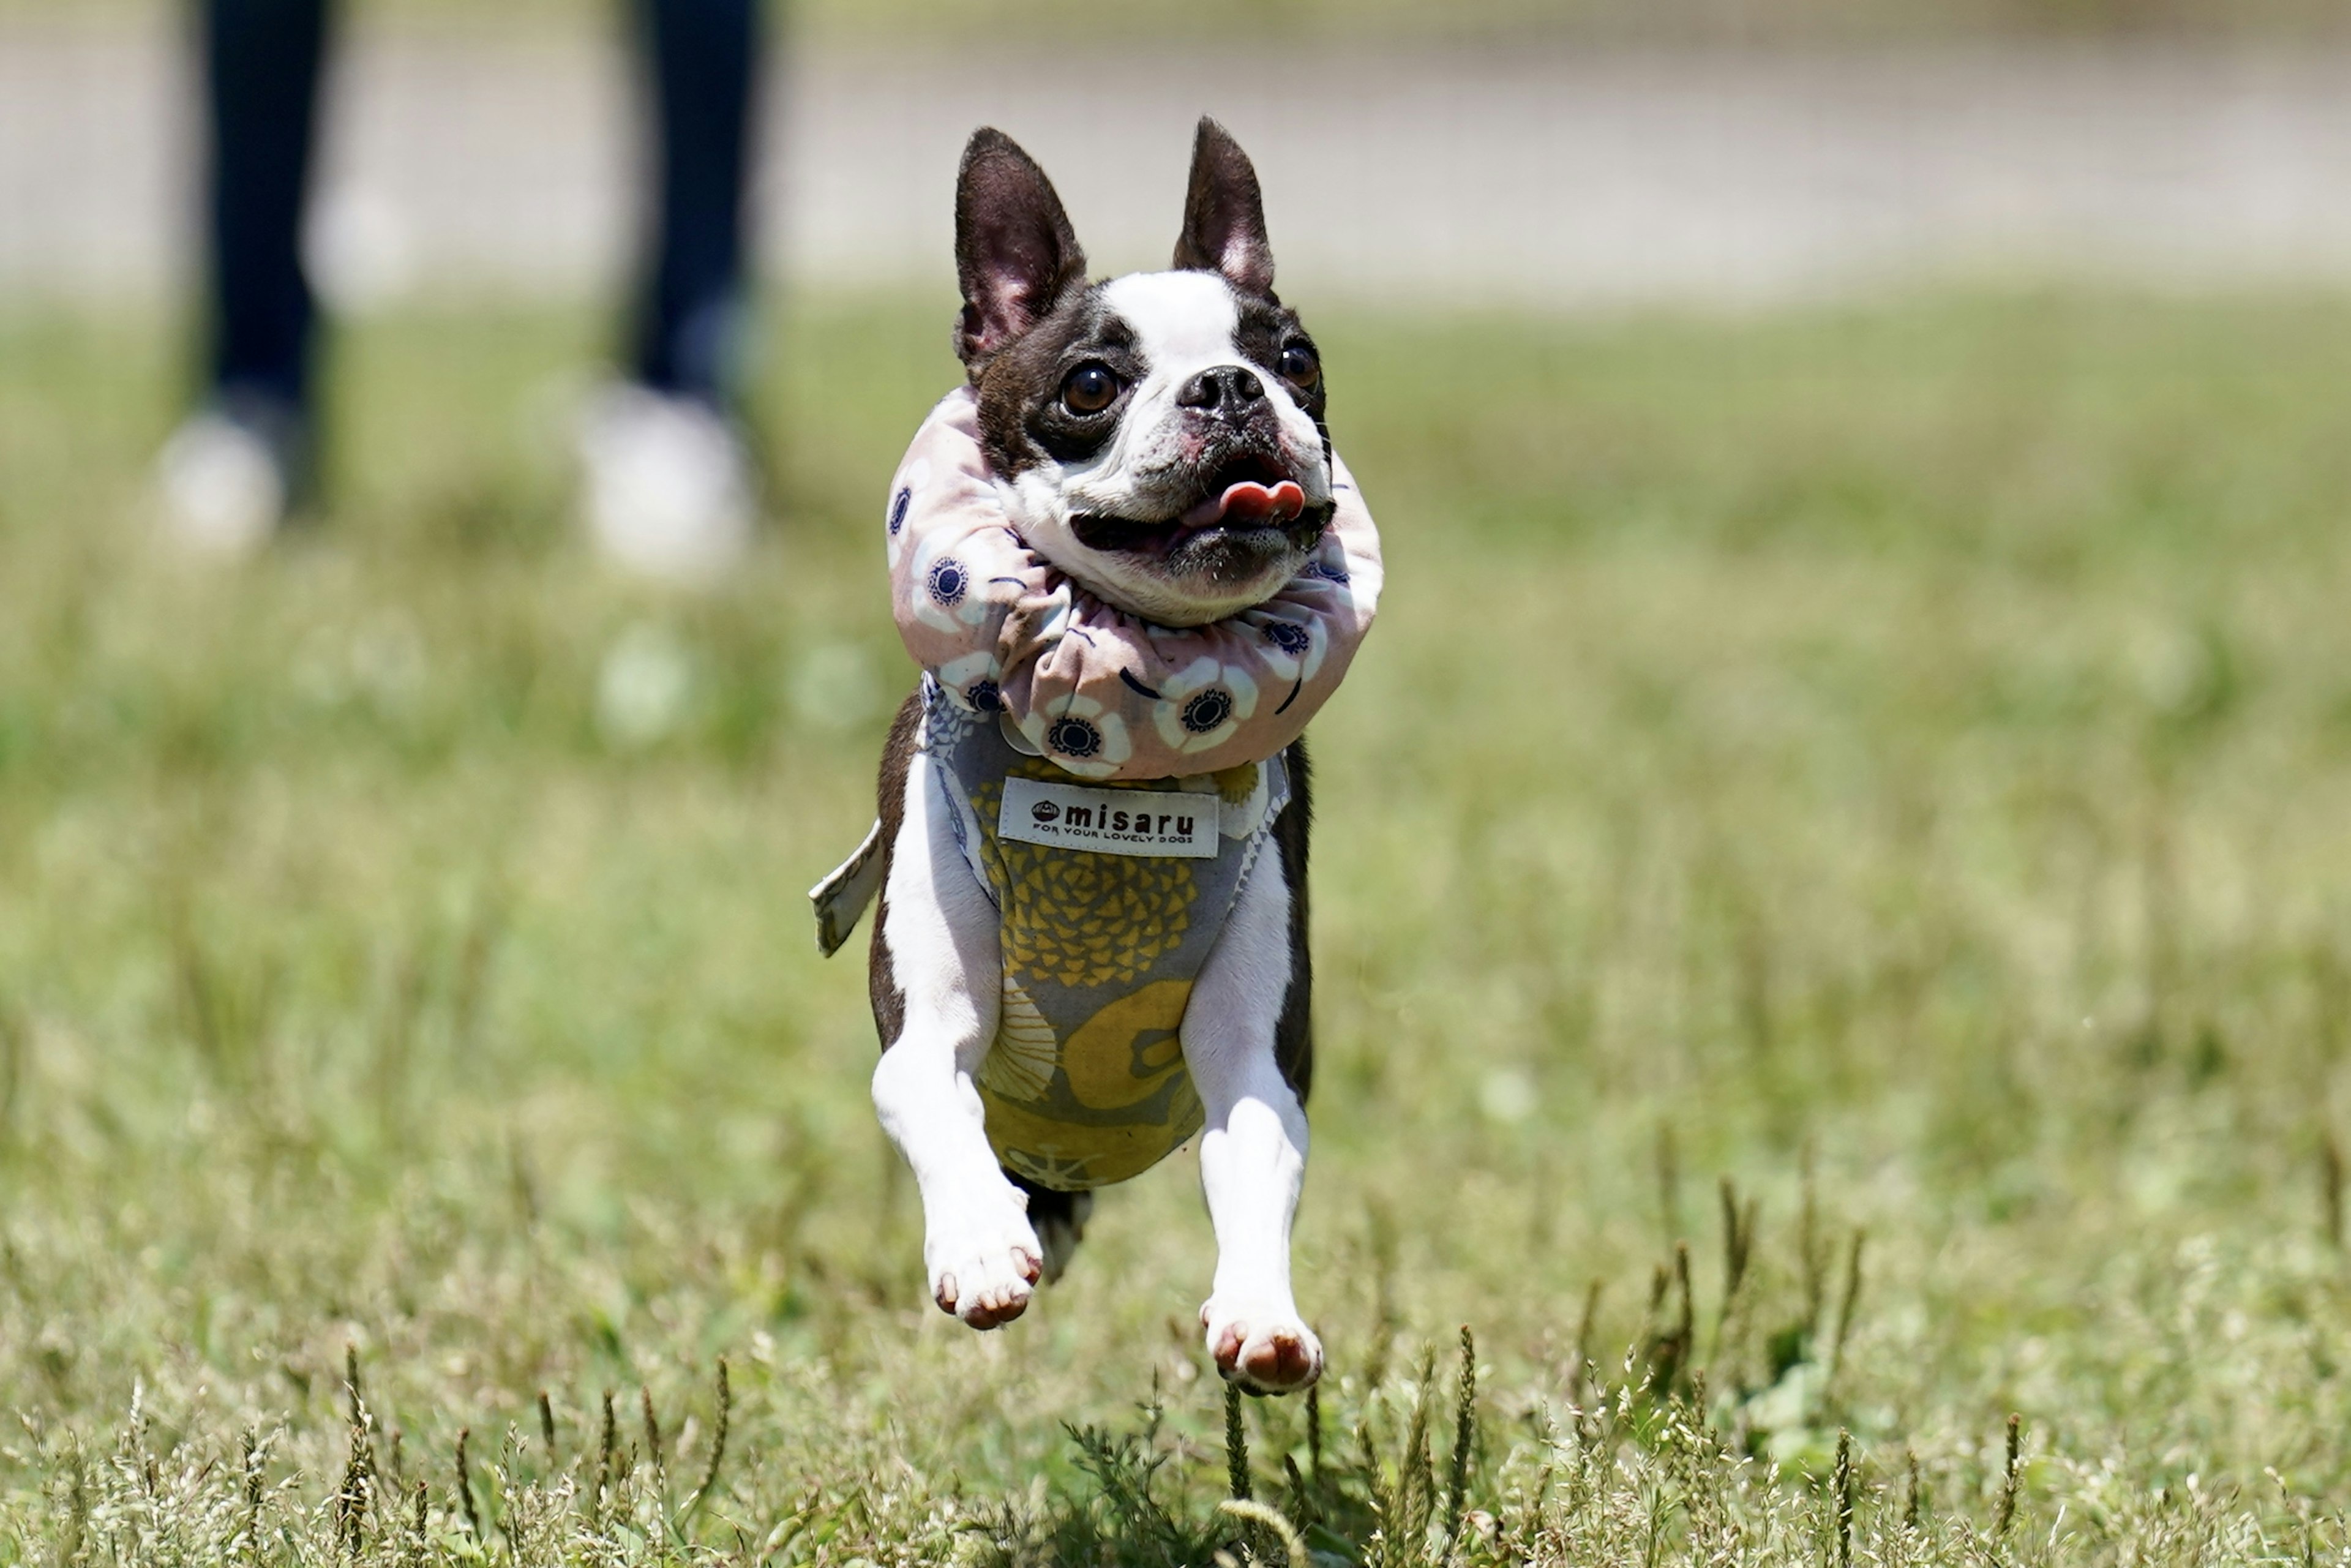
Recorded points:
(1228,391)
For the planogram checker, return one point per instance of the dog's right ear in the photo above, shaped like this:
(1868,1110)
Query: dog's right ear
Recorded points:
(1014,251)
(1224,214)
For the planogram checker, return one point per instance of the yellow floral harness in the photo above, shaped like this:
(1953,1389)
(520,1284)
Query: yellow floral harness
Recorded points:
(1086,1083)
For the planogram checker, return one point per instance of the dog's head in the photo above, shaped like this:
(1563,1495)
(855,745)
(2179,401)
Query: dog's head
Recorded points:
(1160,434)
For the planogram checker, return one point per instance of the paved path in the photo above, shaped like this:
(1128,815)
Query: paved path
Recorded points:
(1576,179)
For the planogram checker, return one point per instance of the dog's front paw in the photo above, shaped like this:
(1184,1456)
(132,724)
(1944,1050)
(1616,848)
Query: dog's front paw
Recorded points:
(984,1260)
(1266,1351)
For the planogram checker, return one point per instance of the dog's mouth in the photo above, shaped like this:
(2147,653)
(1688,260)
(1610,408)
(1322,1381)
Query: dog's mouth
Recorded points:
(1247,493)
(1249,502)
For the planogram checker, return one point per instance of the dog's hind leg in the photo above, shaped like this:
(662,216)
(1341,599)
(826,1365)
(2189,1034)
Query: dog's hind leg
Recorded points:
(1253,1144)
(937,974)
(1060,1219)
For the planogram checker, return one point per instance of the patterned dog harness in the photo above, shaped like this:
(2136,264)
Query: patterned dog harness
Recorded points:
(1114,866)
(1086,1084)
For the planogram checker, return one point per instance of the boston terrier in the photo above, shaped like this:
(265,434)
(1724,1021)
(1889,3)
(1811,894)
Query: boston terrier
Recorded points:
(1159,439)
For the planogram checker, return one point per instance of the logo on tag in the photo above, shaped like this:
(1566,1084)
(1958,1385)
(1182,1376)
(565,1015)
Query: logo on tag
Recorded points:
(1110,821)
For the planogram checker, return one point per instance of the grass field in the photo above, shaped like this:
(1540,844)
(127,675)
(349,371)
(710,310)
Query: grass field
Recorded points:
(1887,772)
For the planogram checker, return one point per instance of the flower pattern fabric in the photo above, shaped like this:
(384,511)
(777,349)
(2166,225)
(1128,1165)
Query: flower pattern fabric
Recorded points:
(1101,694)
(1085,1083)
(1027,673)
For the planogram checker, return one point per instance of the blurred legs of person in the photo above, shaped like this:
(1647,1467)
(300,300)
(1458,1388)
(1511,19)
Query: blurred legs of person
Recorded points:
(230,472)
(669,488)
(669,483)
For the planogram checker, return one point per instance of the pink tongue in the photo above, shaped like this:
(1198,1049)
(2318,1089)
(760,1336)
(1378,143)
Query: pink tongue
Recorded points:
(1248,502)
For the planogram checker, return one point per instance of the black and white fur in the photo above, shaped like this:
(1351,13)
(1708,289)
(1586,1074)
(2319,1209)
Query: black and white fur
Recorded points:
(1212,384)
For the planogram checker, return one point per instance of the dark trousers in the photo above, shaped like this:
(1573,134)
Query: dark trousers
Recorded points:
(262,60)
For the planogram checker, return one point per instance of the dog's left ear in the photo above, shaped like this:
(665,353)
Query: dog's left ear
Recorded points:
(1224,214)
(1016,253)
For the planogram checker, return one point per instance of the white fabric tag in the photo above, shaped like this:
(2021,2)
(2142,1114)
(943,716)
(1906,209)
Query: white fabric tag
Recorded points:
(1110,821)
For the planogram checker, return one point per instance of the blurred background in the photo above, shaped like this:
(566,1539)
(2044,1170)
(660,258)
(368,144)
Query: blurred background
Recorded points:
(1549,155)
(1861,715)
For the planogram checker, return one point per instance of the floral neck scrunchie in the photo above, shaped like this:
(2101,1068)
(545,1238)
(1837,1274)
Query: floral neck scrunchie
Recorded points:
(1099,692)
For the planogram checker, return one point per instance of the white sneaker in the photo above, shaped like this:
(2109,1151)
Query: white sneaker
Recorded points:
(668,486)
(225,487)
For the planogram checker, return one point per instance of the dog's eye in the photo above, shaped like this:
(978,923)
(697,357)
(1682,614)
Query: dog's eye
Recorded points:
(1089,389)
(1299,366)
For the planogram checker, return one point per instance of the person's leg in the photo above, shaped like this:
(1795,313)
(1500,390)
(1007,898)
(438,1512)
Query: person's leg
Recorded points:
(261,62)
(704,76)
(230,472)
(669,489)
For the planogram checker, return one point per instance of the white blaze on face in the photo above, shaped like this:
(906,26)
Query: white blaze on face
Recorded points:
(1185,323)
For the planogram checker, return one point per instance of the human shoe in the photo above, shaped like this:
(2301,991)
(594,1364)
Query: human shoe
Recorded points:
(228,477)
(666,486)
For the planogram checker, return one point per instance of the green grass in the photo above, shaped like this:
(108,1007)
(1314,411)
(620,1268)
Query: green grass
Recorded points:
(1909,745)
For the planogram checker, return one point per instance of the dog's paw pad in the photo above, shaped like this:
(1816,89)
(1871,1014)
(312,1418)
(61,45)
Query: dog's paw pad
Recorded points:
(1268,1353)
(985,1272)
